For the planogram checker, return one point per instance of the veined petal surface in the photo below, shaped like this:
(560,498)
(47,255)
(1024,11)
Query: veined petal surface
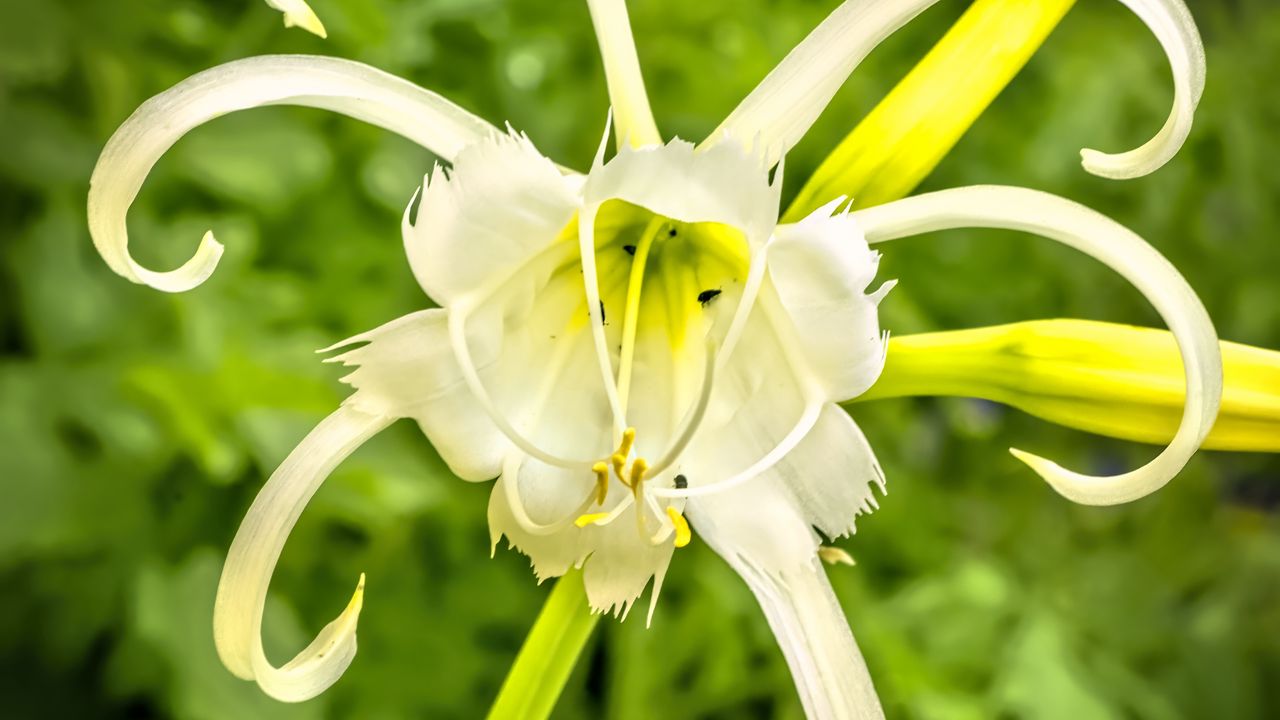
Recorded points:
(343,86)
(1096,235)
(503,203)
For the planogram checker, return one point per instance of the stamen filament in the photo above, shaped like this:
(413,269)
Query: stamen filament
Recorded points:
(694,420)
(635,284)
(462,352)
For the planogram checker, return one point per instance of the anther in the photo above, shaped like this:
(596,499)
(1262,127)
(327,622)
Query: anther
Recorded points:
(707,296)
(628,441)
(683,534)
(638,469)
(620,467)
(589,519)
(602,482)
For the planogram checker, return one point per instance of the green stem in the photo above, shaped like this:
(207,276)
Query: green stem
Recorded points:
(549,653)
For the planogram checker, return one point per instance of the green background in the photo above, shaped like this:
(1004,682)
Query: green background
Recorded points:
(135,427)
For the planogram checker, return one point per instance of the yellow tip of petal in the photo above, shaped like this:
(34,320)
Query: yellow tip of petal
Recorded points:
(835,556)
(298,14)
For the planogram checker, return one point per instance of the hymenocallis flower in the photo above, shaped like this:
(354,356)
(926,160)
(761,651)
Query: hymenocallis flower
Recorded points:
(643,351)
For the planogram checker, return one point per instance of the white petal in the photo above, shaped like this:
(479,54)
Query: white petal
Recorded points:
(298,14)
(820,268)
(242,591)
(343,86)
(1176,30)
(634,120)
(726,184)
(1125,252)
(831,473)
(549,496)
(502,205)
(407,368)
(621,563)
(780,110)
(803,612)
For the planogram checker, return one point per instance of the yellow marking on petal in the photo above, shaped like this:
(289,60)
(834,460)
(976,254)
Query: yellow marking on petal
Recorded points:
(683,534)
(590,519)
(602,482)
(835,556)
(900,142)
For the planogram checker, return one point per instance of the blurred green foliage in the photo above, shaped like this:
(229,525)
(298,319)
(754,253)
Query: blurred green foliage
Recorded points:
(136,426)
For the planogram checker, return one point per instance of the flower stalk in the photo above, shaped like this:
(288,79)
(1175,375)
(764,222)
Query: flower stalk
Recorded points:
(549,653)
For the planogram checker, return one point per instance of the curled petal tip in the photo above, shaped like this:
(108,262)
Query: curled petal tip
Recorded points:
(192,273)
(1095,490)
(1173,26)
(298,14)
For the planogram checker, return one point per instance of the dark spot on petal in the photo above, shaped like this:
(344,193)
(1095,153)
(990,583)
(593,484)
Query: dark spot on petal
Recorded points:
(631,249)
(671,232)
(602,321)
(682,482)
(707,296)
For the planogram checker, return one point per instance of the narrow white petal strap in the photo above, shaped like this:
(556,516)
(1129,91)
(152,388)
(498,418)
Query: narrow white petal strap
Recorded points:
(780,110)
(242,591)
(298,14)
(343,86)
(1079,227)
(635,125)
(1176,30)
(810,626)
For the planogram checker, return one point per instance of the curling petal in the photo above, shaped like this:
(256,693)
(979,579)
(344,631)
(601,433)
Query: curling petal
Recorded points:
(298,14)
(1081,228)
(343,86)
(242,591)
(1176,30)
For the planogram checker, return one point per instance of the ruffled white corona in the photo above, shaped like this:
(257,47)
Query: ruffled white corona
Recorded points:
(641,353)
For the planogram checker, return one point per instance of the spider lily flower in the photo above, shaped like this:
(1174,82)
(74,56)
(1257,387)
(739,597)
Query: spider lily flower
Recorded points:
(642,352)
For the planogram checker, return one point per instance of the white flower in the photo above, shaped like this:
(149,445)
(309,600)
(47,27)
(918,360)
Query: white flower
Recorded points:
(643,344)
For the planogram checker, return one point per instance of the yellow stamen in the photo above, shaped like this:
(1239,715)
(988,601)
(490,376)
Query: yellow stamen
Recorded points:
(620,468)
(683,534)
(628,441)
(590,519)
(602,482)
(638,469)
